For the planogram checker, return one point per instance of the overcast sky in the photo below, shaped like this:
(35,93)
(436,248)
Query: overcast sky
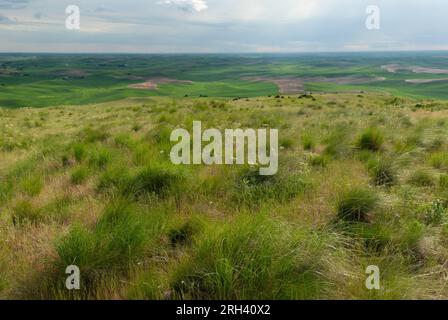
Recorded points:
(179,26)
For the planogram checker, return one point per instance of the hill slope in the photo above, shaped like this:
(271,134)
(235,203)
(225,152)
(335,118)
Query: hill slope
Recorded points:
(362,181)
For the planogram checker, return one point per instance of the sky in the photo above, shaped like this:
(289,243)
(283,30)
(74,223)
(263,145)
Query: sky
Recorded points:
(222,26)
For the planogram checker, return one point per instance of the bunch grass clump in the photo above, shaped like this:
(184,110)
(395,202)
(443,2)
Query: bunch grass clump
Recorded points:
(383,171)
(439,160)
(355,204)
(79,175)
(24,212)
(119,238)
(421,178)
(371,139)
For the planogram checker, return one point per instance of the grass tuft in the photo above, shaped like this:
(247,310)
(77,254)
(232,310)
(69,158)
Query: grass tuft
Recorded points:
(421,178)
(355,204)
(371,139)
(383,171)
(24,212)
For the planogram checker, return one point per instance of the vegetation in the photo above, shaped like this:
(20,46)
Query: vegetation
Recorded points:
(362,181)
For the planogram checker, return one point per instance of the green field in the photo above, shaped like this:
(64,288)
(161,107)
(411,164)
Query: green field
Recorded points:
(48,79)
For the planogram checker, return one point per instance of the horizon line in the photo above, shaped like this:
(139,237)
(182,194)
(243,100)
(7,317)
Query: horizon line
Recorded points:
(228,53)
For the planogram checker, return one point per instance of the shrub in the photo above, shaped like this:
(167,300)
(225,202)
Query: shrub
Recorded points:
(355,204)
(382,171)
(421,178)
(371,139)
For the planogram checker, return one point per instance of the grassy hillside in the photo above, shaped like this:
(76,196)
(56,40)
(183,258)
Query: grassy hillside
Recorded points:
(363,180)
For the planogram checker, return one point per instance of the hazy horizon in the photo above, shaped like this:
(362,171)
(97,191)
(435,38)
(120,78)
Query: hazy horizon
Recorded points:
(230,53)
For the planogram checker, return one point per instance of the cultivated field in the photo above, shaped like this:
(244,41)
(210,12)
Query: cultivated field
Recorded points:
(363,180)
(53,80)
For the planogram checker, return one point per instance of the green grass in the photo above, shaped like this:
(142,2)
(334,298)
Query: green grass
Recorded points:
(371,139)
(383,172)
(79,175)
(24,212)
(93,191)
(422,178)
(255,258)
(355,204)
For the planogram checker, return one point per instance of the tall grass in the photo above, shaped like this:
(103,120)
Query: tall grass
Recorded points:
(119,238)
(254,257)
(371,139)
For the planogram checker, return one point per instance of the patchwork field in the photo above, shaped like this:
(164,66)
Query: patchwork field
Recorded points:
(363,180)
(51,80)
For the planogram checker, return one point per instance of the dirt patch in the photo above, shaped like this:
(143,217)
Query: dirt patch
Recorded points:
(391,68)
(394,68)
(297,85)
(285,85)
(423,81)
(152,84)
(429,70)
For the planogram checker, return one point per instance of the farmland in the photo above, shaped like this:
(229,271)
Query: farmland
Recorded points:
(48,79)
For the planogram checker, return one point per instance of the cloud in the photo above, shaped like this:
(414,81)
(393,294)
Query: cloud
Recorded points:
(6,20)
(13,4)
(38,15)
(103,9)
(223,25)
(187,5)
